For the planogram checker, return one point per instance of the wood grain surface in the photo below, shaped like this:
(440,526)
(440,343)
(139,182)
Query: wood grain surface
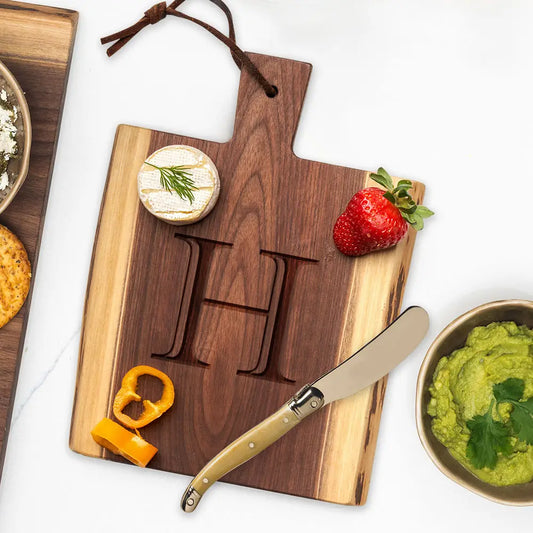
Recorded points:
(243,308)
(36,45)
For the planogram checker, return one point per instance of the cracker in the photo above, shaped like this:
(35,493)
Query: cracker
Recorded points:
(15,275)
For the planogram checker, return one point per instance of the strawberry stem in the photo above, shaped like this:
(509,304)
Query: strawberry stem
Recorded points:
(399,196)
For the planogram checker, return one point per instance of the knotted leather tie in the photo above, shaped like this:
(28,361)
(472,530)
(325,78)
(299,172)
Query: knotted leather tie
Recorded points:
(159,11)
(156,13)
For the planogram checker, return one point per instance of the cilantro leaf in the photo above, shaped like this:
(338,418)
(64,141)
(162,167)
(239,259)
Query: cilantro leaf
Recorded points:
(522,420)
(510,389)
(521,417)
(487,438)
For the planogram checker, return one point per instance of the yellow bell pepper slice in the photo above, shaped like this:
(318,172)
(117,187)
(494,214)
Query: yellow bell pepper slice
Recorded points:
(120,441)
(128,394)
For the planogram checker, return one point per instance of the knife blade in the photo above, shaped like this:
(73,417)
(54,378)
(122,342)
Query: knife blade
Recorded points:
(373,361)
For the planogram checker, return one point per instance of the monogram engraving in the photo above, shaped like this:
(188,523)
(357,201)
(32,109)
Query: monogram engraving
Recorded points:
(194,295)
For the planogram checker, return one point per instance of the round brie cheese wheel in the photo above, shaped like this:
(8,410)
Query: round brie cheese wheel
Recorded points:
(168,205)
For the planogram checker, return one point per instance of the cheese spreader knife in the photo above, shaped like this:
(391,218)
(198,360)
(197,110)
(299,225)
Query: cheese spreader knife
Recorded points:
(368,365)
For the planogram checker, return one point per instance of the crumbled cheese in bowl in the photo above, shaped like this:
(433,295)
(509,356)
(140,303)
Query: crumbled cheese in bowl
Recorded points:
(8,141)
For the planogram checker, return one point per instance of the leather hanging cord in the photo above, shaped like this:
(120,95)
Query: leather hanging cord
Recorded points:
(231,26)
(160,11)
(152,16)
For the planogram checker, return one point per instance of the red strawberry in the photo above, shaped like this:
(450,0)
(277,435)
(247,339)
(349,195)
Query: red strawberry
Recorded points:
(376,219)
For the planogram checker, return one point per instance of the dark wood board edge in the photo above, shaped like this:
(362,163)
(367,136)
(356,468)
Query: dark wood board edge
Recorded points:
(73,16)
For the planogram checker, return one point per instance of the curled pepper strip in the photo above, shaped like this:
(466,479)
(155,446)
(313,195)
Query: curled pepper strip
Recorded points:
(128,394)
(120,441)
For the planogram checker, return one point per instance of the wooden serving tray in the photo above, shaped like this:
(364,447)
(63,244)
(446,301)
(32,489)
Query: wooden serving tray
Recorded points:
(36,45)
(243,308)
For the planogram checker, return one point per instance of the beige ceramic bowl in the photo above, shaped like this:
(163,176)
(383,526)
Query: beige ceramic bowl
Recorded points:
(451,338)
(18,168)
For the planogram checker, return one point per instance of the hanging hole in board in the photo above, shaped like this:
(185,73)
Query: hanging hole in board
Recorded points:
(274,92)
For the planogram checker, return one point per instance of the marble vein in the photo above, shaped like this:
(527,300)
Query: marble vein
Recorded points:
(45,376)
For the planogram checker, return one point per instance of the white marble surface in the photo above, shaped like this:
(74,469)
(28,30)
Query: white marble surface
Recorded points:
(437,90)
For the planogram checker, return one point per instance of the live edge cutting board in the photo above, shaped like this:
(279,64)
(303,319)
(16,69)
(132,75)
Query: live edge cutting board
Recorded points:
(36,45)
(243,308)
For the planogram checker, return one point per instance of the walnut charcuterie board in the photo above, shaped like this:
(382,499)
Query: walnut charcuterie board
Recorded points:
(242,308)
(36,45)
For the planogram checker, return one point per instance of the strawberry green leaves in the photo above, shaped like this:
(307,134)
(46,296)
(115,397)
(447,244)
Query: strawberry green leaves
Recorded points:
(399,196)
(383,178)
(488,437)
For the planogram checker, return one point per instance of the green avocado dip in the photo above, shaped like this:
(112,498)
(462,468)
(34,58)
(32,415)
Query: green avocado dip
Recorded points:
(463,390)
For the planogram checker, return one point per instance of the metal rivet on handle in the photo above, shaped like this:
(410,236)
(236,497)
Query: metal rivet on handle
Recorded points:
(314,403)
(190,501)
(252,445)
(205,480)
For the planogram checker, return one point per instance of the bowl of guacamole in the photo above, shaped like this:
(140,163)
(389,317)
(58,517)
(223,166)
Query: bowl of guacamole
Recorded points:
(474,405)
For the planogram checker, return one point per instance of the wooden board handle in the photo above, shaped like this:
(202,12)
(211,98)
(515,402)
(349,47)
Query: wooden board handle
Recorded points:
(238,452)
(258,116)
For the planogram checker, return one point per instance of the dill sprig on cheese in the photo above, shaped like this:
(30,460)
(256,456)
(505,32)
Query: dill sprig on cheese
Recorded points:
(177,179)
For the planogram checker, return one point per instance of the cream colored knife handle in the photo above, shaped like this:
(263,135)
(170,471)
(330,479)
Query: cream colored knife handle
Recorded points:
(253,442)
